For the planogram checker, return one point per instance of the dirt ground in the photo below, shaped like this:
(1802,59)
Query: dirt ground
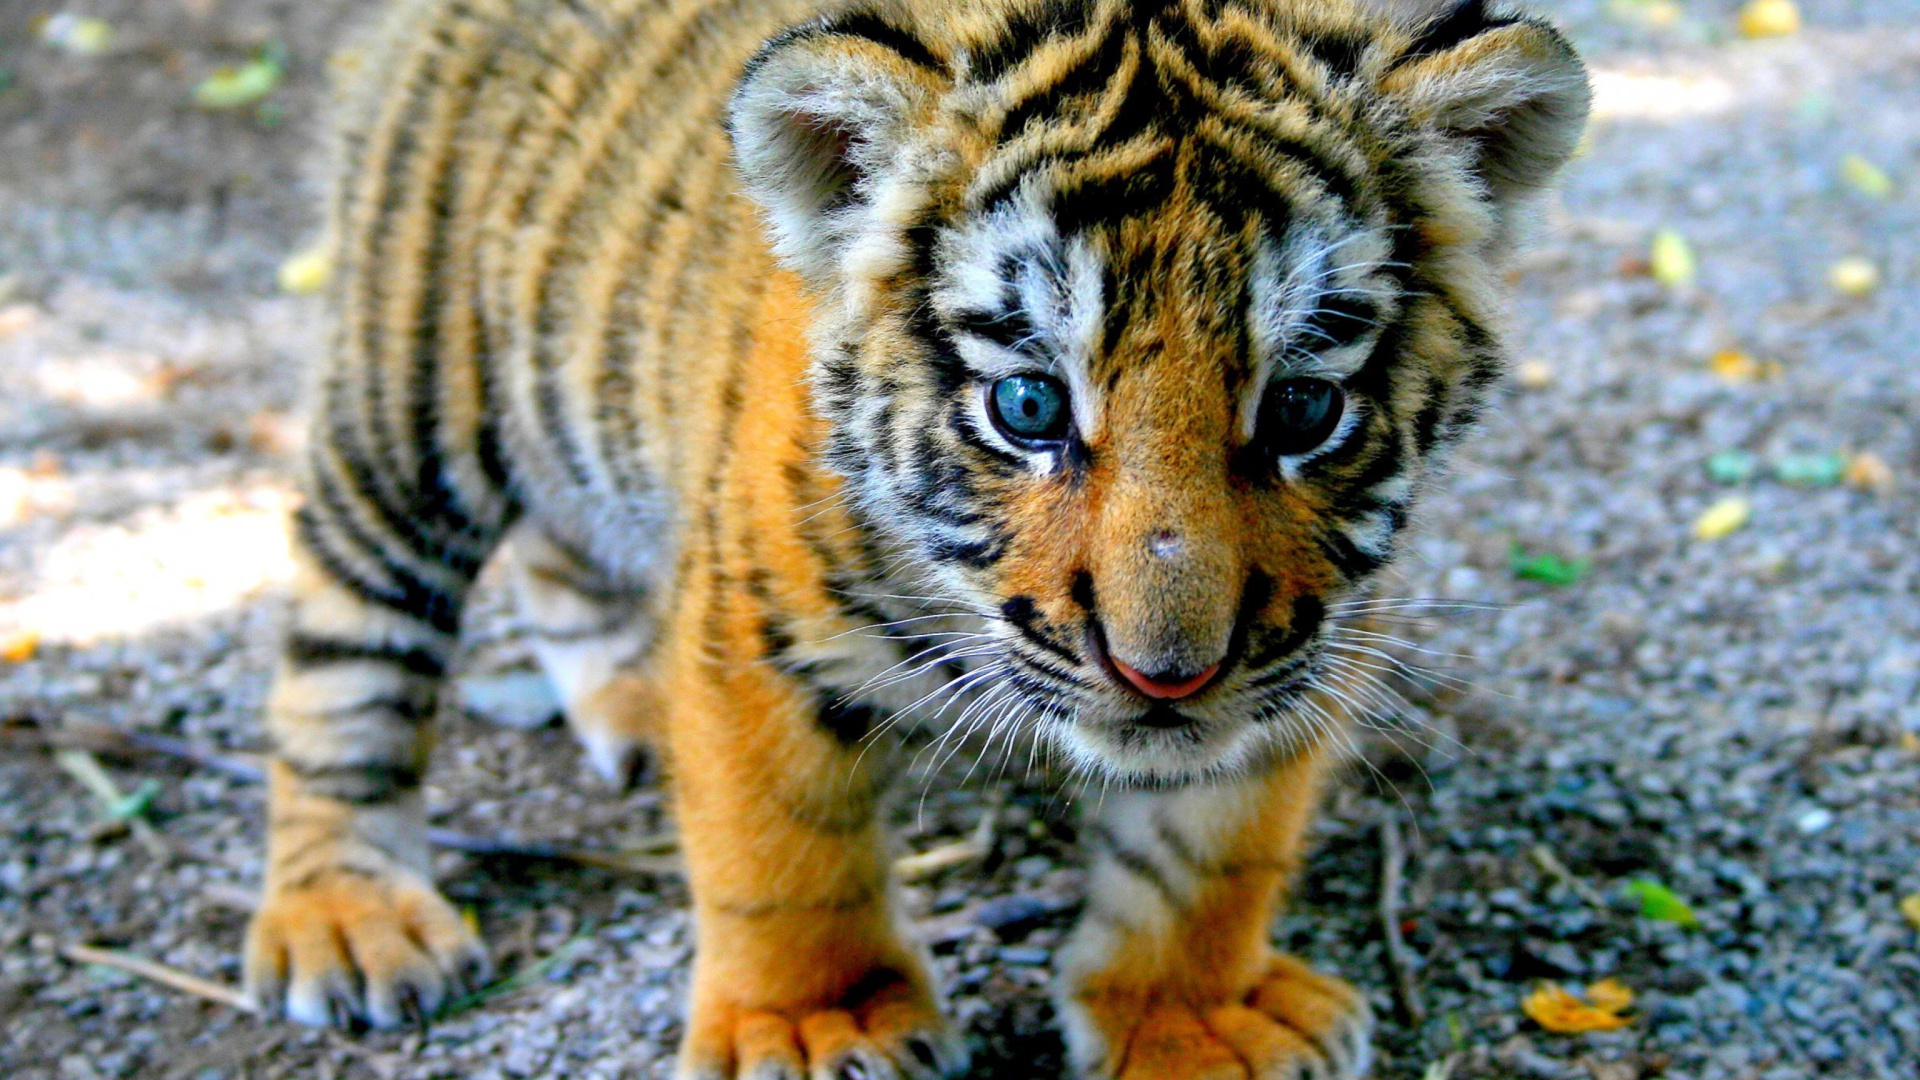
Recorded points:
(1735,719)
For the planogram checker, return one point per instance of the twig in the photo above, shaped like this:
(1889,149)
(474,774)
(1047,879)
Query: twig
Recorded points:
(83,767)
(87,738)
(523,978)
(1393,869)
(119,742)
(160,973)
(978,845)
(1551,864)
(654,856)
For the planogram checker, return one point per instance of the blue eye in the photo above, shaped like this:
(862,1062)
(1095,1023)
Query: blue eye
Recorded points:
(1030,407)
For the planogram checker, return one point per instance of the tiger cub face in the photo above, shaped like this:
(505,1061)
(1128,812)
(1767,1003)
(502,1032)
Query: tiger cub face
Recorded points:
(1142,324)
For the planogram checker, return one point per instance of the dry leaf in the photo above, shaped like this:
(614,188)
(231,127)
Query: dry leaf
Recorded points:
(17,317)
(1868,471)
(1910,907)
(19,647)
(1559,1010)
(1535,374)
(1610,995)
(1734,366)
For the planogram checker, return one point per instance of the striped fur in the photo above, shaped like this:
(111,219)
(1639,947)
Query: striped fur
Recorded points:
(693,311)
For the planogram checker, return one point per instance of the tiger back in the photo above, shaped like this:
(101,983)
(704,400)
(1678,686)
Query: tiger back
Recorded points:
(1057,373)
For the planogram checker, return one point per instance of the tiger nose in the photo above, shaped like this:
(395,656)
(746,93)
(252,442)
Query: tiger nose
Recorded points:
(1165,685)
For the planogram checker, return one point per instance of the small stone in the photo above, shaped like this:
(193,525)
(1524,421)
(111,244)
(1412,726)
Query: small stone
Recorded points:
(1012,917)
(1813,820)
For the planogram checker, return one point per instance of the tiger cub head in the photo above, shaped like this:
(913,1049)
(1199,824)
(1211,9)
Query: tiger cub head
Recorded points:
(1141,325)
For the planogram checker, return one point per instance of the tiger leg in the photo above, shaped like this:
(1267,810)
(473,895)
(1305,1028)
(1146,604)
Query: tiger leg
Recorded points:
(350,927)
(1171,974)
(589,632)
(801,970)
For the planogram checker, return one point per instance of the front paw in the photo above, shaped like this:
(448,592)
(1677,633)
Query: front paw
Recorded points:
(893,1033)
(1294,1024)
(345,947)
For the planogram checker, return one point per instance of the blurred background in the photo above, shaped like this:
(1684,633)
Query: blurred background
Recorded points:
(1673,741)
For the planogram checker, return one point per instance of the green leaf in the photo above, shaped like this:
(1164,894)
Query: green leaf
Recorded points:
(236,88)
(1545,567)
(136,805)
(1810,470)
(1661,903)
(521,979)
(1732,467)
(1672,259)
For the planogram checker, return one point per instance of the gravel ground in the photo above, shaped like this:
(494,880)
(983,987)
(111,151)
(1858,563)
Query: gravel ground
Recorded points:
(1735,719)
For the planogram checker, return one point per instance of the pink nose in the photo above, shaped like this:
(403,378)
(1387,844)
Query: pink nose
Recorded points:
(1165,691)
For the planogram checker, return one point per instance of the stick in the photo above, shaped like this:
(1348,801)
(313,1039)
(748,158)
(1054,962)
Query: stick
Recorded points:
(160,973)
(651,857)
(1393,868)
(119,742)
(655,857)
(978,845)
(83,767)
(1547,861)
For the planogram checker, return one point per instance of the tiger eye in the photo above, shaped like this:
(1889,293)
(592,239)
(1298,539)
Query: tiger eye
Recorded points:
(1300,414)
(1030,408)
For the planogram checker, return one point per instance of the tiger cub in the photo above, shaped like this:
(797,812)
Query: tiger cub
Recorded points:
(835,372)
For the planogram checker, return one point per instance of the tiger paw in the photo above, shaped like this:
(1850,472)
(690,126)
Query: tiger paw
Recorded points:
(1294,1023)
(895,1034)
(348,948)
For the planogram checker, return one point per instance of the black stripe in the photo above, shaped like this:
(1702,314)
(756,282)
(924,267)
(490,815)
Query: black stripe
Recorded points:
(360,785)
(1469,20)
(308,651)
(395,510)
(410,593)
(1136,863)
(1025,32)
(1345,556)
(868,26)
(442,499)
(1021,613)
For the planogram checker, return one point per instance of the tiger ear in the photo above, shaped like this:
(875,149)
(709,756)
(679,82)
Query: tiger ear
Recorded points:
(818,119)
(1510,88)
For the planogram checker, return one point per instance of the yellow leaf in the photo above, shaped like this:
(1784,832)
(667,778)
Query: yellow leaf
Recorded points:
(1557,1009)
(1769,18)
(1853,277)
(1868,471)
(306,272)
(19,647)
(1866,177)
(1671,259)
(1724,518)
(1610,995)
(1910,907)
(1734,366)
